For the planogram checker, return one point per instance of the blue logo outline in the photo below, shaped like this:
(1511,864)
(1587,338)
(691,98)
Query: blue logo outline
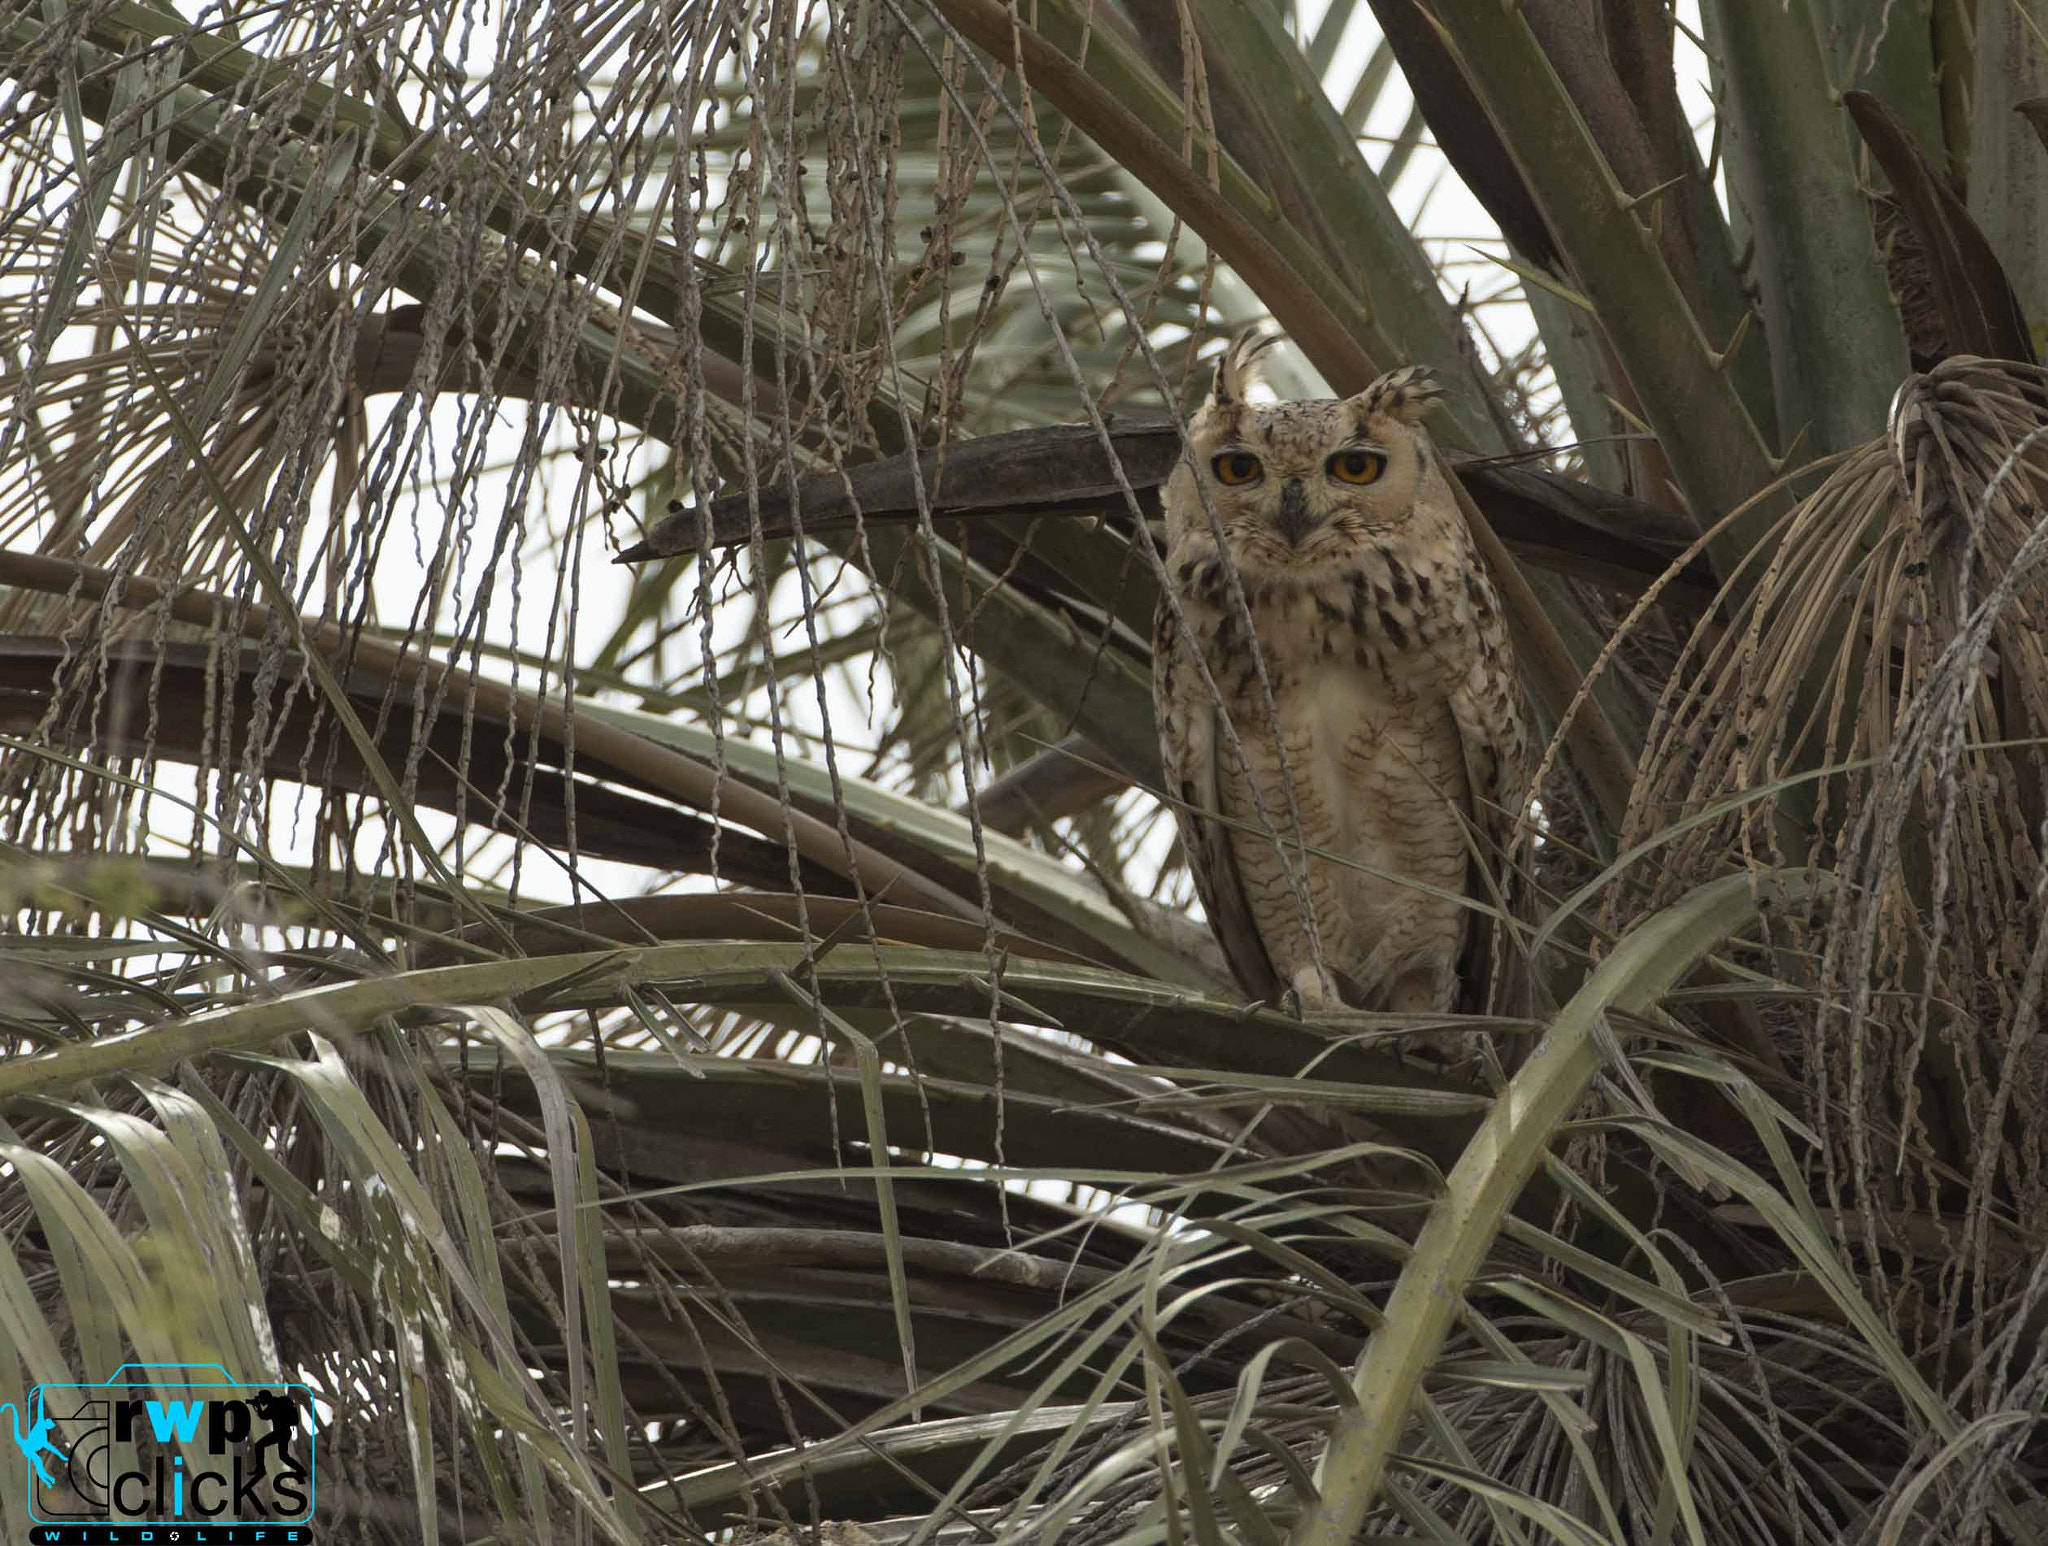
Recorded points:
(287,1406)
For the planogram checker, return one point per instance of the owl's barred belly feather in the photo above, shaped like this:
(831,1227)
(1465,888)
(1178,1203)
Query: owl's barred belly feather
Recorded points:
(1377,777)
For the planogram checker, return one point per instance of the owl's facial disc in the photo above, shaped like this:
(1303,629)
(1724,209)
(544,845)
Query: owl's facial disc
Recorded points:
(1297,487)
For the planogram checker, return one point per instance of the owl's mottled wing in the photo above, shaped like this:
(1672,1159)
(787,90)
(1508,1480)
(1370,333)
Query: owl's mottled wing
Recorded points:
(1493,737)
(1188,750)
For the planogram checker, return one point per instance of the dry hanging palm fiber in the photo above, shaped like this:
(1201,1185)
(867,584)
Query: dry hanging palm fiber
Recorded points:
(1876,707)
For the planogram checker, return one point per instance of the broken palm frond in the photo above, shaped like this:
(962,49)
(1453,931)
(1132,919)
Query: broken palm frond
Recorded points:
(1062,471)
(1950,265)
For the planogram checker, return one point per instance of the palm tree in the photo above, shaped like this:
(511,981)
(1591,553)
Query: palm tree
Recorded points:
(726,1042)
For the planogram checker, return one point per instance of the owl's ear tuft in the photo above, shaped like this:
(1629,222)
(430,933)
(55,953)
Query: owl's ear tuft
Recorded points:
(1404,394)
(1238,368)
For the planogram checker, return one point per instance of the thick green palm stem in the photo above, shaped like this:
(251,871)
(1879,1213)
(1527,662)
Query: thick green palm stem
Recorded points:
(1329,189)
(1679,374)
(1838,351)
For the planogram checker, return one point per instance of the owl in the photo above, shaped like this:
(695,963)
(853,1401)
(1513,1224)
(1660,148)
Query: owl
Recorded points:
(1340,718)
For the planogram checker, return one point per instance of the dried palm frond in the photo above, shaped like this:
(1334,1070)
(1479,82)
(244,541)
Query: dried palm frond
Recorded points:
(1911,581)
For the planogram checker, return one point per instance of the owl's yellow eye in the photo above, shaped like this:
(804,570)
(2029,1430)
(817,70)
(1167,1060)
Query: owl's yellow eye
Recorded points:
(1236,467)
(1357,466)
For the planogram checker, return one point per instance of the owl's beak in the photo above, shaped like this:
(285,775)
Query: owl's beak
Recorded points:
(1296,521)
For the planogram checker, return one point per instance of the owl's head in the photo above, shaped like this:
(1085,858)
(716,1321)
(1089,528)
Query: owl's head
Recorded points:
(1298,487)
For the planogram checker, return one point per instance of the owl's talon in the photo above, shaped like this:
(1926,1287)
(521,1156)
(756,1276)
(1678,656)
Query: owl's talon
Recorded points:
(1291,1004)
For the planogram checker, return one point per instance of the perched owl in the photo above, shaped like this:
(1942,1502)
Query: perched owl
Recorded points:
(1393,697)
